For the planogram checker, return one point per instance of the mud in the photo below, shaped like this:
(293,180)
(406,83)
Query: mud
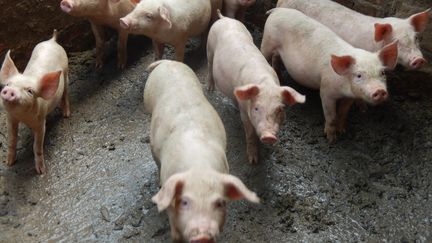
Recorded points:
(374,184)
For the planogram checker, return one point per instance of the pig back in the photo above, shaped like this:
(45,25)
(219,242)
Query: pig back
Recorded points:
(48,56)
(340,19)
(186,131)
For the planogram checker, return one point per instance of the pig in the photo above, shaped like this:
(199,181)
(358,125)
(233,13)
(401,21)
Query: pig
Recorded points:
(29,96)
(370,33)
(102,13)
(317,58)
(236,9)
(188,144)
(168,22)
(241,72)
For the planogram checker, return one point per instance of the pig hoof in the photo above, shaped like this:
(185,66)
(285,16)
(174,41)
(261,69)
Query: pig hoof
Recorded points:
(99,65)
(10,162)
(253,158)
(40,168)
(121,66)
(66,114)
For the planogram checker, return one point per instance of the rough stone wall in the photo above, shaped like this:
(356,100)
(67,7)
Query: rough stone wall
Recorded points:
(26,22)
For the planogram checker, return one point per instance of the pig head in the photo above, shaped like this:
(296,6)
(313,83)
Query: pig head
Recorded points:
(20,91)
(406,31)
(196,200)
(366,75)
(264,106)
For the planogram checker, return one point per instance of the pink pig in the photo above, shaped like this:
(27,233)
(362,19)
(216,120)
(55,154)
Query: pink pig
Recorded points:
(368,32)
(30,96)
(169,22)
(236,9)
(102,13)
(241,72)
(317,58)
(188,143)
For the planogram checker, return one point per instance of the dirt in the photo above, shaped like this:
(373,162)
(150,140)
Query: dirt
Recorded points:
(374,184)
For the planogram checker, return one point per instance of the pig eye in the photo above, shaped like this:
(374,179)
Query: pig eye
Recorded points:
(184,204)
(359,76)
(256,108)
(220,203)
(149,16)
(30,91)
(383,73)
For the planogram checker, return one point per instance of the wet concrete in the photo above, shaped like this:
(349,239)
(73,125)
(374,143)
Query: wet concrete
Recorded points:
(374,184)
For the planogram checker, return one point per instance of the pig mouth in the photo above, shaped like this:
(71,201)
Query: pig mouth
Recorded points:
(202,239)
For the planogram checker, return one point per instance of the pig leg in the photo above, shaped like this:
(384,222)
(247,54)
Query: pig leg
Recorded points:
(158,49)
(211,82)
(12,140)
(230,12)
(65,97)
(99,35)
(329,108)
(240,15)
(251,138)
(180,50)
(39,135)
(343,109)
(122,49)
(277,65)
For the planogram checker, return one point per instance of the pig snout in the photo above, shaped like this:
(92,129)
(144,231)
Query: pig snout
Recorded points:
(417,62)
(379,95)
(125,23)
(8,94)
(246,3)
(202,239)
(268,138)
(66,6)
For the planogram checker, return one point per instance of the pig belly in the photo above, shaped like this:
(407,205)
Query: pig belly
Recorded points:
(298,69)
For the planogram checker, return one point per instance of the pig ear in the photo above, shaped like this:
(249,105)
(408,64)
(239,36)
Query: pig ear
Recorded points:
(246,92)
(291,96)
(8,69)
(389,55)
(342,65)
(48,84)
(420,20)
(382,31)
(236,190)
(164,13)
(173,187)
(135,1)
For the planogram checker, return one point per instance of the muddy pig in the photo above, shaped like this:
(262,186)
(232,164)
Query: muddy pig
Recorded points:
(188,143)
(241,72)
(236,9)
(168,22)
(30,96)
(317,58)
(370,33)
(102,13)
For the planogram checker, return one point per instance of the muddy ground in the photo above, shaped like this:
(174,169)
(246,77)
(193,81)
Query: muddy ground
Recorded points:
(374,184)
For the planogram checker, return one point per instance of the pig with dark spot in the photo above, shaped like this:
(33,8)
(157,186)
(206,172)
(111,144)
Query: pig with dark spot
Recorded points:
(240,71)
(169,22)
(188,143)
(102,13)
(317,58)
(366,32)
(236,9)
(30,96)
